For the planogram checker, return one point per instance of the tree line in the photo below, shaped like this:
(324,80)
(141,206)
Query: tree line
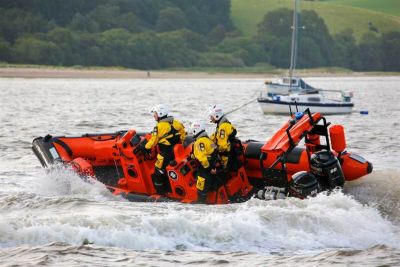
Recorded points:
(317,48)
(156,34)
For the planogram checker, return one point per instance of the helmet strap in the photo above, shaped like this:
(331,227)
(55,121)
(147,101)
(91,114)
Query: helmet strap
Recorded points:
(163,117)
(219,119)
(196,135)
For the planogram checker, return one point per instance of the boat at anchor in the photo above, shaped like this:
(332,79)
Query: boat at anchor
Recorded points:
(277,97)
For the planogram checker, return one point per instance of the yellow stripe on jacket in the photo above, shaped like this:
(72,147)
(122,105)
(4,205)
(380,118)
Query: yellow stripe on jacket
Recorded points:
(221,137)
(203,149)
(162,132)
(159,135)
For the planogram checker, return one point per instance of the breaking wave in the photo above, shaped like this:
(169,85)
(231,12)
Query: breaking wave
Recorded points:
(64,208)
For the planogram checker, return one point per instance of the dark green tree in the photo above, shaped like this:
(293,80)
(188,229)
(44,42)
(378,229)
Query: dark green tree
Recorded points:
(16,22)
(5,50)
(310,54)
(390,49)
(245,49)
(105,16)
(194,40)
(170,19)
(34,51)
(369,53)
(80,22)
(66,41)
(93,56)
(115,47)
(344,49)
(129,21)
(216,35)
(204,15)
(315,29)
(277,23)
(175,51)
(146,10)
(274,35)
(145,51)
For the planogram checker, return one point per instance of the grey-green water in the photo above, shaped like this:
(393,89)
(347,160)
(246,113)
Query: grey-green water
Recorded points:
(46,217)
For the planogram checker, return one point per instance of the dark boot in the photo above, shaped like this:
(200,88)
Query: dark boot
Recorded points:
(159,182)
(201,197)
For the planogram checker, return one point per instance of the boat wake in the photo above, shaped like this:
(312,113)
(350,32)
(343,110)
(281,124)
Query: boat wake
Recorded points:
(380,189)
(66,209)
(92,255)
(61,180)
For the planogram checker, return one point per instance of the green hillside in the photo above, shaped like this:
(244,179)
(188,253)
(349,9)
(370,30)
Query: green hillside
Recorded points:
(246,14)
(391,7)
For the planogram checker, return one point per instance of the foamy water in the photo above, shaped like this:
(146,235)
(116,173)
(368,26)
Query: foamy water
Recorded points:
(47,216)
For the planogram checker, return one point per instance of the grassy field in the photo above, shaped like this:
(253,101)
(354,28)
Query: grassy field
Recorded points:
(391,7)
(246,14)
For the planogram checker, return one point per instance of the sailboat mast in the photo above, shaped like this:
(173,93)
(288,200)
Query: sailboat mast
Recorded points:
(293,51)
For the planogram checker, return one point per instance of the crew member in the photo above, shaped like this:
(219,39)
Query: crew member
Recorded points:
(166,134)
(205,152)
(225,139)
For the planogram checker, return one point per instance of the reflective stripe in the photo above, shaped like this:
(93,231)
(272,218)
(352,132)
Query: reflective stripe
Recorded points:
(160,161)
(200,183)
(170,138)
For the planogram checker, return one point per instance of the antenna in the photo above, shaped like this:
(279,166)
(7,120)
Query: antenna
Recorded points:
(293,50)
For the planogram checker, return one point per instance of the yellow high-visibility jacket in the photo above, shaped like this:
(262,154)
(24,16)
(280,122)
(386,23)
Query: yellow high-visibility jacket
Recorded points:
(222,135)
(203,150)
(166,132)
(180,128)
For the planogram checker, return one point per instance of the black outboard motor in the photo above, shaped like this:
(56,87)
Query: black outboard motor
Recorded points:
(326,168)
(303,184)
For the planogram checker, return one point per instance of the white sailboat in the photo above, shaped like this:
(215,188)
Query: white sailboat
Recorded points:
(277,96)
(279,104)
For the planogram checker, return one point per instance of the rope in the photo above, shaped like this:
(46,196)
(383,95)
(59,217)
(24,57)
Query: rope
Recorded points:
(243,105)
(116,167)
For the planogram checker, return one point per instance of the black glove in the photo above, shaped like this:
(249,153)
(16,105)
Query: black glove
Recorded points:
(141,147)
(142,144)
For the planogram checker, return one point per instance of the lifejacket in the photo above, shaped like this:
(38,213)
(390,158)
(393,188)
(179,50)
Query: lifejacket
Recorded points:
(165,134)
(205,151)
(224,136)
(177,130)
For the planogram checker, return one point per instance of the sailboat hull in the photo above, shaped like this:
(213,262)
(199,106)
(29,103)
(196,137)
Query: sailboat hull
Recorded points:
(282,107)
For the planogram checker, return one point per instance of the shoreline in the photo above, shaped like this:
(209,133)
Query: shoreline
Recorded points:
(110,73)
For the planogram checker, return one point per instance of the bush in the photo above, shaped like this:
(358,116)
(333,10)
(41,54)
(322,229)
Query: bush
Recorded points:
(34,51)
(219,60)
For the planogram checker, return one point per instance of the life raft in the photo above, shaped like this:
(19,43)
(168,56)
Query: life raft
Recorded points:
(279,166)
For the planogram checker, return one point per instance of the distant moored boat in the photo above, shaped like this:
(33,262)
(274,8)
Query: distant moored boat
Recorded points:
(279,96)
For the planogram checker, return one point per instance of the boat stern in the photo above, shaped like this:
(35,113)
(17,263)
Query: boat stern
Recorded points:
(44,149)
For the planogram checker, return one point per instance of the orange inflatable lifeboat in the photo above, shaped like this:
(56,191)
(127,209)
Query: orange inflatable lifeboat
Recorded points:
(278,168)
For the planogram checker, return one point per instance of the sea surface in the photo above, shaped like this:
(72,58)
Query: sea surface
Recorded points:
(55,219)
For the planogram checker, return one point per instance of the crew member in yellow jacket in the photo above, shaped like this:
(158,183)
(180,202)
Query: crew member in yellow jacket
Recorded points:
(224,137)
(166,134)
(205,152)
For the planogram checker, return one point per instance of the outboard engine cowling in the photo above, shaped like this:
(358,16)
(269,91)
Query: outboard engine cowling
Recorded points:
(326,168)
(303,184)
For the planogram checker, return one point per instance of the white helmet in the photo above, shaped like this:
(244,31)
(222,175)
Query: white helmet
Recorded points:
(161,110)
(216,112)
(196,127)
